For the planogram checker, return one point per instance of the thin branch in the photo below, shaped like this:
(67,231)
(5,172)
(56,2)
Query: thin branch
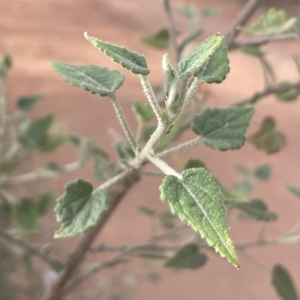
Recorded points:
(53,263)
(273,89)
(263,40)
(240,20)
(180,147)
(122,119)
(189,39)
(256,263)
(171,29)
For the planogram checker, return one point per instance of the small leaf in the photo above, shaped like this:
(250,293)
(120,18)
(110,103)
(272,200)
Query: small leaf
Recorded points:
(290,95)
(158,40)
(146,210)
(26,215)
(143,111)
(44,202)
(243,188)
(256,209)
(79,208)
(96,80)
(283,283)
(231,197)
(52,141)
(197,200)
(52,166)
(274,22)
(263,172)
(242,169)
(209,61)
(211,12)
(294,190)
(34,135)
(188,257)
(194,163)
(167,220)
(267,138)
(26,103)
(223,129)
(131,61)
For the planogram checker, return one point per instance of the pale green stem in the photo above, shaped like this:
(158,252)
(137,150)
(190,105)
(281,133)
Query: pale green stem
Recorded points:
(139,131)
(122,119)
(180,147)
(152,173)
(147,88)
(163,166)
(191,92)
(114,180)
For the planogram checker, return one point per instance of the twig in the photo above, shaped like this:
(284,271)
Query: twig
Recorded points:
(256,263)
(171,28)
(189,39)
(262,41)
(240,20)
(122,119)
(273,89)
(53,263)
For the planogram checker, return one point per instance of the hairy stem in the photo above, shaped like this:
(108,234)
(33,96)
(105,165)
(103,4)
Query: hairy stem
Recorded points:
(122,119)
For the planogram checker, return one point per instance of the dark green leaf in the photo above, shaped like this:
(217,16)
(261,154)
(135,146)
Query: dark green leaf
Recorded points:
(167,220)
(194,163)
(79,208)
(158,40)
(26,214)
(53,167)
(283,283)
(274,22)
(209,61)
(96,80)
(26,103)
(131,61)
(36,132)
(294,190)
(188,257)
(143,111)
(267,138)
(44,202)
(197,200)
(263,172)
(223,128)
(256,209)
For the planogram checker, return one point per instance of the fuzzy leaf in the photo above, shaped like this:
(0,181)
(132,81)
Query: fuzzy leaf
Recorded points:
(158,40)
(131,61)
(188,257)
(209,61)
(267,138)
(223,129)
(263,172)
(143,111)
(198,201)
(272,23)
(96,80)
(26,103)
(79,208)
(283,283)
(256,209)
(294,190)
(36,132)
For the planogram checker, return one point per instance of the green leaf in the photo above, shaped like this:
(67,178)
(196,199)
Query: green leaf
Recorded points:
(34,135)
(96,80)
(198,201)
(274,22)
(188,257)
(167,220)
(26,103)
(52,141)
(253,50)
(158,40)
(256,209)
(223,128)
(131,61)
(44,202)
(209,61)
(242,169)
(52,166)
(211,12)
(288,96)
(79,208)
(263,172)
(283,283)
(243,188)
(146,210)
(267,138)
(26,215)
(194,163)
(294,190)
(143,111)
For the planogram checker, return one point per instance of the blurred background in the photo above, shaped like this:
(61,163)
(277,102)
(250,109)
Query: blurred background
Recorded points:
(35,33)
